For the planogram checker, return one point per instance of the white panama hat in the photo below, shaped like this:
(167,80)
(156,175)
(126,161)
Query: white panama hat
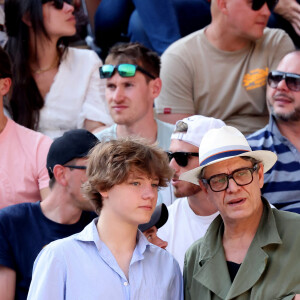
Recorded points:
(225,143)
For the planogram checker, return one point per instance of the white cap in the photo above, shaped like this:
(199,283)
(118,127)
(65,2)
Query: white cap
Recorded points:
(192,129)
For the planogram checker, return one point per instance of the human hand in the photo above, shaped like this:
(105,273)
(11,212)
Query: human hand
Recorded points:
(290,10)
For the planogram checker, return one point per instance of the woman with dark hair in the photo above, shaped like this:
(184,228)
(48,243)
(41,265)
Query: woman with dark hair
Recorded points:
(56,88)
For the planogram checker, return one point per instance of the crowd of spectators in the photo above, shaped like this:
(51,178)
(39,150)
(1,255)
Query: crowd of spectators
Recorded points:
(171,170)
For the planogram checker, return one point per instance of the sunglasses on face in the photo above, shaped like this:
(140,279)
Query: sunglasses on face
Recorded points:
(258,4)
(181,158)
(124,70)
(292,80)
(58,4)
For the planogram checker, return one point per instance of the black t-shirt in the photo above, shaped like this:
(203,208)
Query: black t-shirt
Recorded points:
(24,231)
(232,269)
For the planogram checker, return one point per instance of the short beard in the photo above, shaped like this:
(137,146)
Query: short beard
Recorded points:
(192,190)
(293,116)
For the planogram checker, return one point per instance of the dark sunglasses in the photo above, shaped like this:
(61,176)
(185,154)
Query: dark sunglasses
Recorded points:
(76,167)
(181,158)
(292,80)
(58,4)
(124,70)
(258,4)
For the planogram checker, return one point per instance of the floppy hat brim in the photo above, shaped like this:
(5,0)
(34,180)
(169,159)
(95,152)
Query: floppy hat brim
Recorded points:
(267,158)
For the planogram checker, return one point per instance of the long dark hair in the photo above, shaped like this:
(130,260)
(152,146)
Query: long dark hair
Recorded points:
(26,100)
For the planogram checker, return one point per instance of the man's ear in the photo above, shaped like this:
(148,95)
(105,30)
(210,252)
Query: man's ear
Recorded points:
(261,175)
(26,19)
(5,85)
(203,186)
(59,173)
(156,87)
(222,5)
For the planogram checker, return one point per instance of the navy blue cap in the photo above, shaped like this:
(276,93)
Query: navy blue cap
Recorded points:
(75,143)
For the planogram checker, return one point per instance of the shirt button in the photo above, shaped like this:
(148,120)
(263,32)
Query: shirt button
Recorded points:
(125,283)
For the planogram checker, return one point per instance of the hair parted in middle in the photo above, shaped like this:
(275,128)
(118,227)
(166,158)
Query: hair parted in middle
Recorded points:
(111,162)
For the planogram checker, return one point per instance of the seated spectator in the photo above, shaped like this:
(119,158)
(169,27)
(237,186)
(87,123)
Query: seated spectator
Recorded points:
(250,251)
(111,258)
(191,214)
(282,134)
(132,80)
(138,20)
(158,219)
(23,173)
(56,88)
(25,229)
(221,70)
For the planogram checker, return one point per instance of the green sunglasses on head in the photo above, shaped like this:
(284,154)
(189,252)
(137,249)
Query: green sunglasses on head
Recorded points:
(124,70)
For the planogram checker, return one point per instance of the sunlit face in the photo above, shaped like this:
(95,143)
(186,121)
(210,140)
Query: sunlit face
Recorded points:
(236,202)
(244,22)
(183,188)
(76,178)
(284,103)
(132,201)
(59,22)
(151,235)
(129,99)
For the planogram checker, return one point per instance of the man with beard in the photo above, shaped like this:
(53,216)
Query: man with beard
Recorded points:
(192,213)
(282,134)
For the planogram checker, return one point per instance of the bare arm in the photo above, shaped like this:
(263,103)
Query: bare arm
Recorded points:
(172,118)
(290,10)
(7,283)
(297,297)
(93,125)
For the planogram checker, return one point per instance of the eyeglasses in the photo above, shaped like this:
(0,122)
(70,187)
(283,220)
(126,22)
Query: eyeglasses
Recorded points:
(258,4)
(292,80)
(241,177)
(181,158)
(124,70)
(58,4)
(76,167)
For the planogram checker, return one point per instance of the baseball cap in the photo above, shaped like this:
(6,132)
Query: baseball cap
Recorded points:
(158,218)
(192,129)
(75,143)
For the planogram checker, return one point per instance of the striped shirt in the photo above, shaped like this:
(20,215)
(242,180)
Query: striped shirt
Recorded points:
(282,182)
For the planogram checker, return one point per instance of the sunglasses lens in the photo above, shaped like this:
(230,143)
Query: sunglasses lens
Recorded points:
(293,82)
(181,158)
(257,4)
(126,70)
(274,78)
(106,71)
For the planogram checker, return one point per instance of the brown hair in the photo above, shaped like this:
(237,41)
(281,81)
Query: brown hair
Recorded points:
(136,54)
(111,162)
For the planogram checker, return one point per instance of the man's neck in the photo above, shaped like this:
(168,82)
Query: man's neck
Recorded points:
(60,210)
(145,128)
(218,36)
(119,237)
(290,130)
(201,205)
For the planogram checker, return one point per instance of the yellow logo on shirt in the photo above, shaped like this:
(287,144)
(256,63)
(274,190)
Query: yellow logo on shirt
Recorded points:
(255,78)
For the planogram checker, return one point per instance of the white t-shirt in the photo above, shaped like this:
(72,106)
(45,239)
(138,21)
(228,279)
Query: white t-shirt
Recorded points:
(76,94)
(183,228)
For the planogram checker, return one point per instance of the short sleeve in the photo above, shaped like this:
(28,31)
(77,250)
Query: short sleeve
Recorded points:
(177,86)
(94,106)
(6,251)
(41,161)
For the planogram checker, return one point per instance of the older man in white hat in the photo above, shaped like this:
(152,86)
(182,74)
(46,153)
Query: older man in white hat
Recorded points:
(251,250)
